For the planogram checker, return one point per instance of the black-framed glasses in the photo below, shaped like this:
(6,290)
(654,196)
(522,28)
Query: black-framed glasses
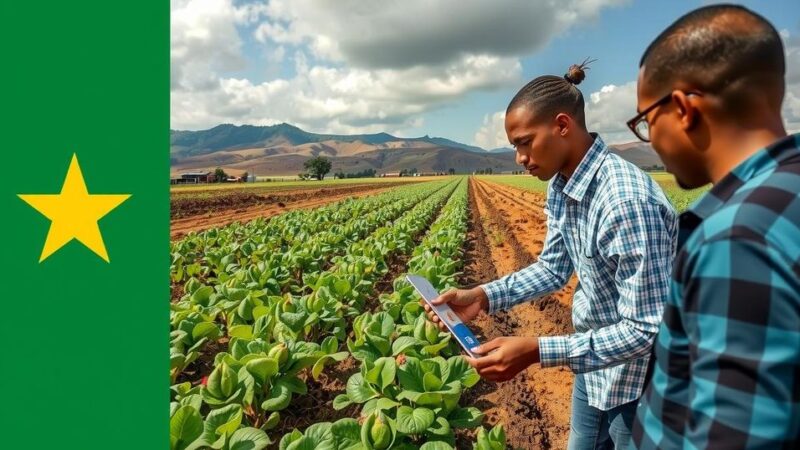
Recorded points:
(639,125)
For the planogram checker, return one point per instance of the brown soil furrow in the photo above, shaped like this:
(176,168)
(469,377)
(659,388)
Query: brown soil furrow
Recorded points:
(513,403)
(534,405)
(514,193)
(530,233)
(181,227)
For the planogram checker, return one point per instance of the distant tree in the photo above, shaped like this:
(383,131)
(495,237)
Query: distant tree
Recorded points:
(244,176)
(452,171)
(413,170)
(404,173)
(318,167)
(219,175)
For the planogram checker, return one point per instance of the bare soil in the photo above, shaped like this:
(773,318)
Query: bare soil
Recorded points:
(506,234)
(197,214)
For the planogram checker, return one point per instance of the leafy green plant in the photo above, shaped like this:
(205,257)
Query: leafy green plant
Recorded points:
(419,397)
(495,439)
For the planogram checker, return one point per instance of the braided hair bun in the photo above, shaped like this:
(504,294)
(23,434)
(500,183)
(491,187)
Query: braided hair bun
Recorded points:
(577,72)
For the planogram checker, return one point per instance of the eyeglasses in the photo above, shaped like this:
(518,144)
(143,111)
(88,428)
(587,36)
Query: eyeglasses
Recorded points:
(639,125)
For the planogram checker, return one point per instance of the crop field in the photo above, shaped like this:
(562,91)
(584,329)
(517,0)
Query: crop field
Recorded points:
(680,198)
(291,184)
(292,327)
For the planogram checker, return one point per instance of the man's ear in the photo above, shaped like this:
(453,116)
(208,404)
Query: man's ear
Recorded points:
(563,124)
(687,113)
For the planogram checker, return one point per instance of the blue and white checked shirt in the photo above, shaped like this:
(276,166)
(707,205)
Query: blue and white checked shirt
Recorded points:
(610,223)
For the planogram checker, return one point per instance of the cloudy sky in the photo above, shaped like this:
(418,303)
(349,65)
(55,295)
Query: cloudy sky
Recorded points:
(415,67)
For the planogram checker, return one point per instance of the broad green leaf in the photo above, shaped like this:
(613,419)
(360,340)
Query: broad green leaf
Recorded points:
(329,345)
(222,382)
(385,403)
(272,421)
(279,398)
(241,332)
(436,445)
(262,368)
(185,426)
(414,420)
(347,433)
(440,428)
(341,401)
(221,421)
(468,417)
(205,330)
(289,438)
(358,390)
(458,369)
(249,439)
(260,311)
(402,344)
(493,440)
(321,436)
(295,385)
(431,382)
(341,287)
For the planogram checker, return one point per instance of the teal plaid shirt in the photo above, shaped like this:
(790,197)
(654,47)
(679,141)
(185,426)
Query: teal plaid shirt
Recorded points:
(610,223)
(727,367)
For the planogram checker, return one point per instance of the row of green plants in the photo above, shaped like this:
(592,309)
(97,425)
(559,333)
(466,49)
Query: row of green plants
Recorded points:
(271,339)
(411,376)
(300,240)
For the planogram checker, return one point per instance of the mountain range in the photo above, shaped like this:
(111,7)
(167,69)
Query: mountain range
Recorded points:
(282,149)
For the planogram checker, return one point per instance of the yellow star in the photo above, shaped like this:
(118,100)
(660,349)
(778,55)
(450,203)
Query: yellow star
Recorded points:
(74,213)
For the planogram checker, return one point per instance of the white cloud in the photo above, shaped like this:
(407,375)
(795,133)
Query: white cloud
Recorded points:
(392,34)
(340,100)
(204,43)
(360,66)
(791,101)
(608,109)
(606,113)
(492,134)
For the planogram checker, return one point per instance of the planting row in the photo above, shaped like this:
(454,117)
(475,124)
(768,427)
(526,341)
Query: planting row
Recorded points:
(411,376)
(273,338)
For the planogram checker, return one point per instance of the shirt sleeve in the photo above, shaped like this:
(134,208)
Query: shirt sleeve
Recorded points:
(741,313)
(549,273)
(639,237)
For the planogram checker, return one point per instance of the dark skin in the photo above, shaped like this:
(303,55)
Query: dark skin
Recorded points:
(699,139)
(545,146)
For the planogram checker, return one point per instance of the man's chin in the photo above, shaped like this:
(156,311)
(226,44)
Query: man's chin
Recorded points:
(542,177)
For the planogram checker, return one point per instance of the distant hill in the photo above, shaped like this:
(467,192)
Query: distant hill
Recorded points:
(639,153)
(282,149)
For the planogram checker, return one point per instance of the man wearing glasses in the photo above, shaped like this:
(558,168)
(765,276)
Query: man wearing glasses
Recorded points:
(727,366)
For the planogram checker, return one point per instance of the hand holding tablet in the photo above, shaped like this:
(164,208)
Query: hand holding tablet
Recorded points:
(446,315)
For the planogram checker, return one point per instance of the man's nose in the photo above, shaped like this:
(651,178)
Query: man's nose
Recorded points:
(522,160)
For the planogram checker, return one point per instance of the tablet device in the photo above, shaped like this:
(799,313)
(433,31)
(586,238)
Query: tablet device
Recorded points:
(463,335)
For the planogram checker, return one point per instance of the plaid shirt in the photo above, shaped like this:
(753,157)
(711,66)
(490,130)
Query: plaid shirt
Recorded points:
(727,367)
(610,223)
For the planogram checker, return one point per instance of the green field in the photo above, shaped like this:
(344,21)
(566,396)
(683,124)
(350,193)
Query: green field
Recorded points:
(263,311)
(267,185)
(680,198)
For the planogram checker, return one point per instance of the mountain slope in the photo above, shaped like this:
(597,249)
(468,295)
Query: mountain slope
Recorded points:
(282,150)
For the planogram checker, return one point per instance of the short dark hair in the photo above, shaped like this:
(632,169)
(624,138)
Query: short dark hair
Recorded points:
(718,49)
(550,94)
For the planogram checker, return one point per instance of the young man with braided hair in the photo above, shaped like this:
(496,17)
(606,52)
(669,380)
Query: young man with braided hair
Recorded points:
(610,223)
(727,355)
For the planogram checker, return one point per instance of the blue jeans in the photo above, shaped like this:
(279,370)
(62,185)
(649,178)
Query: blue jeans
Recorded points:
(592,428)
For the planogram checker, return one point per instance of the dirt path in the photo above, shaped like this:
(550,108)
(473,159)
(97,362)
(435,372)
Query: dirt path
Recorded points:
(508,225)
(266,206)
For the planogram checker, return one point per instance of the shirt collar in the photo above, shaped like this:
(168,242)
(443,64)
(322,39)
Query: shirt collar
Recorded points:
(575,187)
(762,160)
